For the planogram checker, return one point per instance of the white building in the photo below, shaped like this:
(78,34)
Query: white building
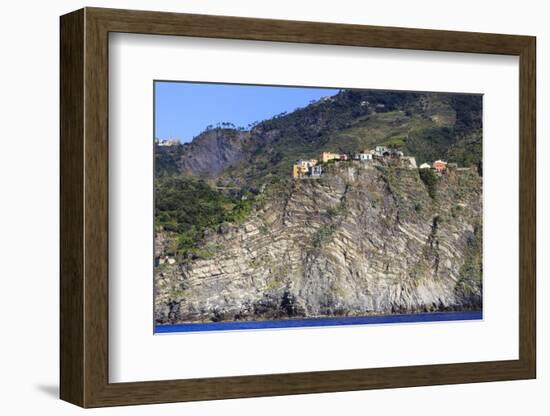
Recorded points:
(380,150)
(364,157)
(425,166)
(169,142)
(316,171)
(305,165)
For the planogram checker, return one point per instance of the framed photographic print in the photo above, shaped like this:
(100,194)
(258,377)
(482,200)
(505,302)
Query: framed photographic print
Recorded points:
(256,207)
(319,215)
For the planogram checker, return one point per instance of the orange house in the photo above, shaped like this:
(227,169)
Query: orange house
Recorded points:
(439,166)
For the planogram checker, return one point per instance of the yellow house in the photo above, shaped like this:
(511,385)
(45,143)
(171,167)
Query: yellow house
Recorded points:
(296,171)
(303,167)
(326,156)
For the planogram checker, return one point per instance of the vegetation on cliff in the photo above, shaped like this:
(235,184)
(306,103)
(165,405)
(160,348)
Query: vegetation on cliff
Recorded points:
(250,242)
(215,179)
(362,240)
(186,207)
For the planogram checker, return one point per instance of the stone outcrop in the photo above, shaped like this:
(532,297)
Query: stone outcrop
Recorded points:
(361,240)
(210,153)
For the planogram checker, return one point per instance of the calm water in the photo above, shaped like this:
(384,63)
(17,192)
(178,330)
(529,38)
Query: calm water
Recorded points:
(293,323)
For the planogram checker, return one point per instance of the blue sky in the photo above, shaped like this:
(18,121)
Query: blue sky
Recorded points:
(183,110)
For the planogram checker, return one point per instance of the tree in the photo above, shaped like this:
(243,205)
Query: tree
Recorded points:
(430,180)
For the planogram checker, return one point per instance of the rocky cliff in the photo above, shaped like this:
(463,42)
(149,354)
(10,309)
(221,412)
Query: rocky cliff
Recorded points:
(361,240)
(209,154)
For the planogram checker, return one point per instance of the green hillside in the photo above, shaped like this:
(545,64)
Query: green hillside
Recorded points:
(427,126)
(218,177)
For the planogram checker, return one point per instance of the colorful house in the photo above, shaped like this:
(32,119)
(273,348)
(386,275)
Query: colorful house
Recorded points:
(306,164)
(326,156)
(439,165)
(296,171)
(303,167)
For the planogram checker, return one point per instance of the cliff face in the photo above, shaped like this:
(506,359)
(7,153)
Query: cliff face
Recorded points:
(361,240)
(207,155)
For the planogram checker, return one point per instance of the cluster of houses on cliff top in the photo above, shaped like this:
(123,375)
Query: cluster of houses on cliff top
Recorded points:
(313,168)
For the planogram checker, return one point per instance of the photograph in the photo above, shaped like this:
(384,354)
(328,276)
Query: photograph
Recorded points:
(289,206)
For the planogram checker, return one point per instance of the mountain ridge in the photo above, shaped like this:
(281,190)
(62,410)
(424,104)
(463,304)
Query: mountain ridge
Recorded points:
(424,125)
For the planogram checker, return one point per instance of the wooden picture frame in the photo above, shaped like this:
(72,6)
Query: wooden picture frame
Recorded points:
(84,207)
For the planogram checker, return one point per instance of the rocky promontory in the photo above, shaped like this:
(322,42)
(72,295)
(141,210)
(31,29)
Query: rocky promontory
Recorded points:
(360,240)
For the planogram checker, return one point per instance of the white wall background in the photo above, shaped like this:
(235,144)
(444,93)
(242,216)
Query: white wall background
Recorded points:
(29,206)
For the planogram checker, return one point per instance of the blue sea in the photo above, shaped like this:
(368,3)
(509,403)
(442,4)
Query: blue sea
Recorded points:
(315,322)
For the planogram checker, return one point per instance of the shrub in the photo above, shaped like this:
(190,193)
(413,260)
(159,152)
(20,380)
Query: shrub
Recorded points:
(430,180)
(189,207)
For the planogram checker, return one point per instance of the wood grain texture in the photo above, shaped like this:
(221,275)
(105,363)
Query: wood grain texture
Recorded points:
(162,23)
(528,208)
(84,207)
(71,158)
(96,208)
